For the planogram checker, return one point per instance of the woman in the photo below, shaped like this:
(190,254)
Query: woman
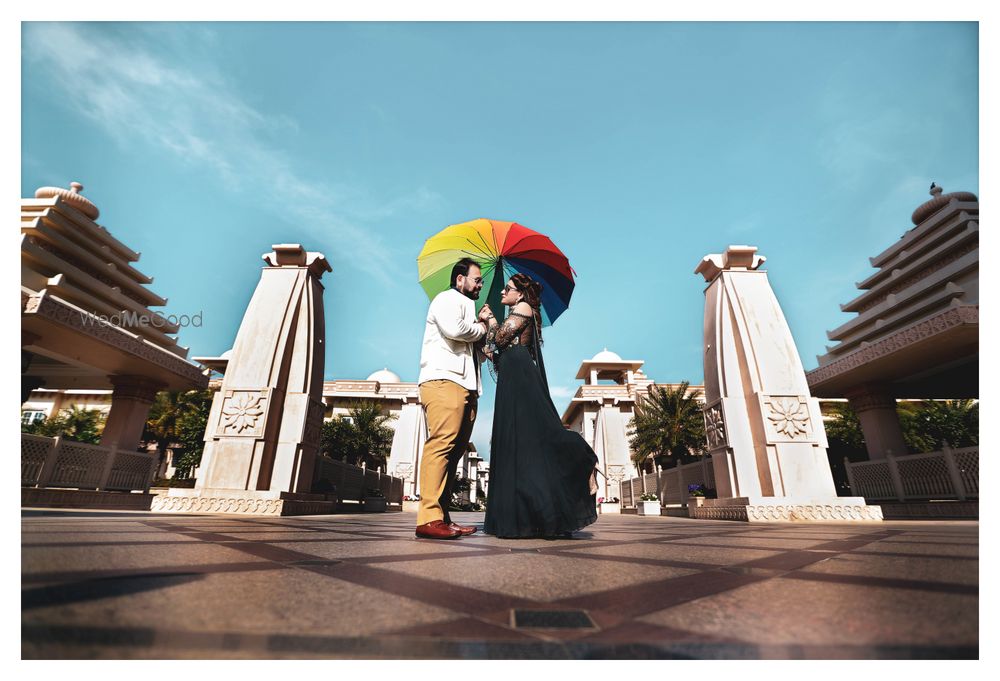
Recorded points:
(540,472)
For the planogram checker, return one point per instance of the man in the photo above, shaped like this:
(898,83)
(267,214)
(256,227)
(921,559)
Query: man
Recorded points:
(450,385)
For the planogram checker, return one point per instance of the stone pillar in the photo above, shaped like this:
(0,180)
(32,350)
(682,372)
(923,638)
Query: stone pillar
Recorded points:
(28,383)
(407,444)
(765,432)
(264,425)
(876,409)
(130,403)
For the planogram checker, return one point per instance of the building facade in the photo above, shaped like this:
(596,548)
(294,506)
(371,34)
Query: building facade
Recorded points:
(602,410)
(916,330)
(397,398)
(86,317)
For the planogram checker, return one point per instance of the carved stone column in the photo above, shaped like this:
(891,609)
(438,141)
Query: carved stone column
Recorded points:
(264,425)
(764,430)
(130,402)
(28,383)
(876,409)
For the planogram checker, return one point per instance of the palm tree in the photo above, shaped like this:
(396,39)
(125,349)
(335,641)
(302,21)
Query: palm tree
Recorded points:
(926,425)
(668,426)
(361,437)
(75,423)
(171,418)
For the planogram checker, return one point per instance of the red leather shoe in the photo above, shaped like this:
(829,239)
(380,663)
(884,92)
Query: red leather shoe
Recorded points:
(466,530)
(437,529)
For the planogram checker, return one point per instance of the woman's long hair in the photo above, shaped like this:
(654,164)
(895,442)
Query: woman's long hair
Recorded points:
(532,292)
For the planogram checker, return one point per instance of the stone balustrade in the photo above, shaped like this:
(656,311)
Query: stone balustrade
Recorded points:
(670,485)
(55,462)
(352,483)
(946,474)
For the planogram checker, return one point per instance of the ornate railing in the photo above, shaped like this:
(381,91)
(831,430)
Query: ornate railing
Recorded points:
(670,485)
(946,474)
(54,462)
(352,483)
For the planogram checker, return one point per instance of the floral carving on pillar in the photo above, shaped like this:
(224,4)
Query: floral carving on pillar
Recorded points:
(715,427)
(242,411)
(788,415)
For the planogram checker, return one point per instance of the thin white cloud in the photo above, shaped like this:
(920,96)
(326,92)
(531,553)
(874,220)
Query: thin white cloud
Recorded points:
(560,392)
(133,95)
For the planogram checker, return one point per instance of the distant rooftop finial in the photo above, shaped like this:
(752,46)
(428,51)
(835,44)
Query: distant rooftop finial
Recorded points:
(71,197)
(938,201)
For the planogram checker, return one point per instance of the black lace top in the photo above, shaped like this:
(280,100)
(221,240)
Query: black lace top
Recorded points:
(517,329)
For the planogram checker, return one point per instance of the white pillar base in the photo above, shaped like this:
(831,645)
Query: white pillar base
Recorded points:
(240,502)
(788,509)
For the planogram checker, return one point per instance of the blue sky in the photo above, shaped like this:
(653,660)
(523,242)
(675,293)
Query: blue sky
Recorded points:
(637,147)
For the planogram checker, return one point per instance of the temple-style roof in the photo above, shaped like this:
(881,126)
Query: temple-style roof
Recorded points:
(917,318)
(85,310)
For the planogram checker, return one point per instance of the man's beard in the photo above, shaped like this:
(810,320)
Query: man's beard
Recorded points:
(472,295)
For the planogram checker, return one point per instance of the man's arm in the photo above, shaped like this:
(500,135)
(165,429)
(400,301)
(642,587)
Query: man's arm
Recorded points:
(450,321)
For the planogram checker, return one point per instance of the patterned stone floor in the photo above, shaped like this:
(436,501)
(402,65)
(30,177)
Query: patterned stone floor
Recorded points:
(140,585)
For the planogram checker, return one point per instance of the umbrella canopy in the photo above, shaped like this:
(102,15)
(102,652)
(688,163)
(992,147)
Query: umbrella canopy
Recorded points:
(501,249)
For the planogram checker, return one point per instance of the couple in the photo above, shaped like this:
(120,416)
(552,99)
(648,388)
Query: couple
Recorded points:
(540,473)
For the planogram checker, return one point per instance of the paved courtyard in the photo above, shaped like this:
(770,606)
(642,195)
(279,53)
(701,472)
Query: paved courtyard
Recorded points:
(101,584)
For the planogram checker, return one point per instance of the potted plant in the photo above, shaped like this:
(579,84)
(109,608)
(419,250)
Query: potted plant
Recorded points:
(374,501)
(648,504)
(609,505)
(696,496)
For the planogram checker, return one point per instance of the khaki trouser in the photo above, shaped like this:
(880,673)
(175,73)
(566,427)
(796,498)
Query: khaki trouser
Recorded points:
(451,413)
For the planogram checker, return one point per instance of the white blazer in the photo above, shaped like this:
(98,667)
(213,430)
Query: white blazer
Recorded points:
(450,331)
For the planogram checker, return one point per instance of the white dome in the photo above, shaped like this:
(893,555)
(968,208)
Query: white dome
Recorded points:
(384,376)
(606,355)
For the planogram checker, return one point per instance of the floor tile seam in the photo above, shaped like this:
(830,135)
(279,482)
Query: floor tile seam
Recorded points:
(753,547)
(256,522)
(377,560)
(648,601)
(861,544)
(259,548)
(918,556)
(828,554)
(775,562)
(96,575)
(935,542)
(420,587)
(87,531)
(293,540)
(655,562)
(884,582)
(73,545)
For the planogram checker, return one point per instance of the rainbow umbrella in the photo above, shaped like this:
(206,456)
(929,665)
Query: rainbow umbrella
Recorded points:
(501,249)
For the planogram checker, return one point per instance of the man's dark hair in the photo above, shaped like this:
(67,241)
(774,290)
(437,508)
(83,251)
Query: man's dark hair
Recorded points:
(462,267)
